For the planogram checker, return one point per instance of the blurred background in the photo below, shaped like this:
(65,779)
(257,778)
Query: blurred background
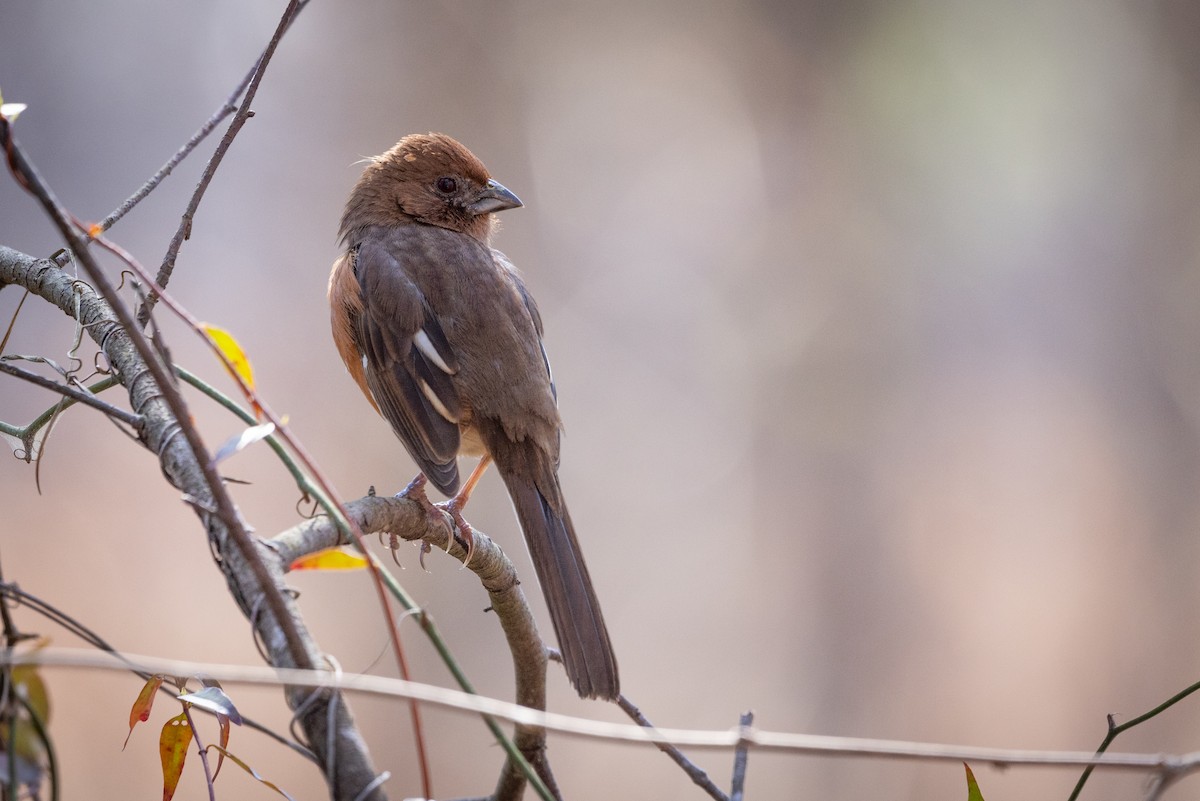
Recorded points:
(875,332)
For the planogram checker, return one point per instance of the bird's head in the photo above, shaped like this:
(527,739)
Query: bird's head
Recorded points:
(430,179)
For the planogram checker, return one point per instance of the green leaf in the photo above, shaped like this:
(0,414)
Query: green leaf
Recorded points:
(250,770)
(973,793)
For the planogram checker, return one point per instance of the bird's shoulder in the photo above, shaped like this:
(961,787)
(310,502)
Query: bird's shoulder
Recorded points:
(420,249)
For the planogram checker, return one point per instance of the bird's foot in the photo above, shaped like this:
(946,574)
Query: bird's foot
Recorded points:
(415,491)
(462,529)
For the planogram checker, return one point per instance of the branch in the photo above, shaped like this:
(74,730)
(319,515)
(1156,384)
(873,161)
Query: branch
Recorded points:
(1115,731)
(725,740)
(256,582)
(740,754)
(694,771)
(11,592)
(239,119)
(411,517)
(213,502)
(78,395)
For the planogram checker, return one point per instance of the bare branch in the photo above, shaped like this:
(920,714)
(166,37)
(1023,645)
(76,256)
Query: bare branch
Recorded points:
(694,771)
(726,740)
(239,119)
(1115,731)
(738,785)
(411,517)
(254,580)
(77,395)
(11,592)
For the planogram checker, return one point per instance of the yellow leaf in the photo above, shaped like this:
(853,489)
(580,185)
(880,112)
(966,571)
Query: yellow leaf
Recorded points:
(172,748)
(238,365)
(28,683)
(331,559)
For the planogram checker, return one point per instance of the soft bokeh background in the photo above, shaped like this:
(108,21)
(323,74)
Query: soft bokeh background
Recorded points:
(875,331)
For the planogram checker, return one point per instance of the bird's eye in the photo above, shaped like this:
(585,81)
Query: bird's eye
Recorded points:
(447,185)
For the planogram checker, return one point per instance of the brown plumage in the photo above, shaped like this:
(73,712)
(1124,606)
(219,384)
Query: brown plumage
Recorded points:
(440,334)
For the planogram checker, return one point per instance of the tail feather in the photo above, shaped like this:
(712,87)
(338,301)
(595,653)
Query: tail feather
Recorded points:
(574,608)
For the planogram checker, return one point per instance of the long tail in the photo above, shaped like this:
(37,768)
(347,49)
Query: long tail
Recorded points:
(574,608)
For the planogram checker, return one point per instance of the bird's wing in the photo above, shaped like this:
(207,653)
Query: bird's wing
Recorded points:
(534,314)
(409,364)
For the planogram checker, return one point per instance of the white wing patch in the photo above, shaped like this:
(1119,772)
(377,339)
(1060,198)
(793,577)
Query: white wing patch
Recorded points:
(436,402)
(421,340)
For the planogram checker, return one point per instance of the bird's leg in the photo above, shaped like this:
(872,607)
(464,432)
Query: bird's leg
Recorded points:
(415,491)
(459,502)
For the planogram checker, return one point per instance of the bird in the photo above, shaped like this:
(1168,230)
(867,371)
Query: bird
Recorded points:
(441,335)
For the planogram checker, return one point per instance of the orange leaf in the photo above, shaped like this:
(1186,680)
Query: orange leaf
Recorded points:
(94,230)
(331,559)
(172,749)
(141,707)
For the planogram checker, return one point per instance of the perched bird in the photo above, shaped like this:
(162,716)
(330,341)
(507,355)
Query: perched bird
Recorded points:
(444,340)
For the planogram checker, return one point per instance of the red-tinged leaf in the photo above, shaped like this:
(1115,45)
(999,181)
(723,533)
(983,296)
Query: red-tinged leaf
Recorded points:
(141,707)
(239,442)
(214,700)
(331,559)
(251,771)
(973,793)
(172,750)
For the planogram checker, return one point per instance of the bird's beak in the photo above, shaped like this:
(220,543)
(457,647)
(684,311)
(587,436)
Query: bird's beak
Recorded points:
(494,197)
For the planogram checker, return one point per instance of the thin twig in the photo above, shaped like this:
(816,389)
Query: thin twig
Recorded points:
(737,787)
(163,435)
(13,320)
(208,777)
(226,511)
(76,395)
(1115,731)
(55,615)
(239,119)
(694,771)
(726,740)
(46,743)
(12,635)
(227,108)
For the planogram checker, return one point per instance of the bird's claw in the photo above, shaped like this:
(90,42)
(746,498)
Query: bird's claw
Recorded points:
(461,529)
(415,491)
